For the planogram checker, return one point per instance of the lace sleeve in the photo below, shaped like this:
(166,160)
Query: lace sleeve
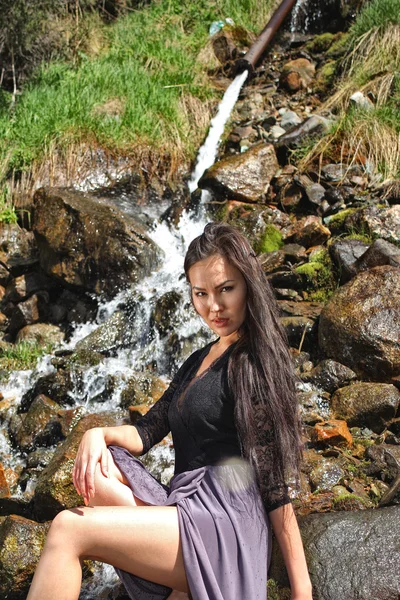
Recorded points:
(154,425)
(274,492)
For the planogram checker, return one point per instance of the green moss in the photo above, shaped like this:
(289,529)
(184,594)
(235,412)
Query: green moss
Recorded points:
(320,43)
(347,500)
(319,275)
(340,46)
(326,76)
(366,238)
(275,592)
(336,222)
(270,241)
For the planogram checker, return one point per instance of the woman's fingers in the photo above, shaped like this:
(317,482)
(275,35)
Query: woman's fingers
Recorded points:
(104,461)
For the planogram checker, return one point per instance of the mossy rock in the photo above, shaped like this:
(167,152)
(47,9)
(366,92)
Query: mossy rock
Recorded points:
(350,502)
(336,223)
(270,241)
(340,46)
(276,592)
(326,77)
(319,276)
(320,43)
(142,388)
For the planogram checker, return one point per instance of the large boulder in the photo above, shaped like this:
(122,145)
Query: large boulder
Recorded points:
(350,555)
(360,326)
(371,405)
(21,542)
(245,176)
(89,244)
(55,490)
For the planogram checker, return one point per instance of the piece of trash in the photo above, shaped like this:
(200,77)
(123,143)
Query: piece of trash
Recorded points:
(218,25)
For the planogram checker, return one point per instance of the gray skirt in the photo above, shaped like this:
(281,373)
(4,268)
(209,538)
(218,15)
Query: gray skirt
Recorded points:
(224,530)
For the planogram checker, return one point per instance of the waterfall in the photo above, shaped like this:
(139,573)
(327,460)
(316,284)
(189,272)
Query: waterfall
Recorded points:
(208,151)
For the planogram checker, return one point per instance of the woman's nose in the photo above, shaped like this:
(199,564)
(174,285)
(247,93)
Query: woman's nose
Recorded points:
(215,303)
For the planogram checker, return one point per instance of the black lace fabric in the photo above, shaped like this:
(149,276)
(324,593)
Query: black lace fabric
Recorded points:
(200,413)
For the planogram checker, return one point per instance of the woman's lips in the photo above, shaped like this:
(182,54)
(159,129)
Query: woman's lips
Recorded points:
(220,322)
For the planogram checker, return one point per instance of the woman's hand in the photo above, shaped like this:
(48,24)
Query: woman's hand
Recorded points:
(92,450)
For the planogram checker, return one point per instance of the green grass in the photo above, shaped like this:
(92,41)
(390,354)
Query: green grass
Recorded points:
(22,356)
(376,13)
(146,88)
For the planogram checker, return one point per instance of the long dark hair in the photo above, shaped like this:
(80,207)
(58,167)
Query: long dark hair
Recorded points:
(260,368)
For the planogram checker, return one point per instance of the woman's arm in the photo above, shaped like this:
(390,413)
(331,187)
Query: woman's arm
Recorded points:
(286,530)
(125,436)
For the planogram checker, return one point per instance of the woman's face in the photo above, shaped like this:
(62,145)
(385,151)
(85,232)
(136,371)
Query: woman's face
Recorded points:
(219,295)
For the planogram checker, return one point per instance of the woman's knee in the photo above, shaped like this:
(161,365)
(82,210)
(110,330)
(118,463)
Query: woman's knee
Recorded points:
(63,527)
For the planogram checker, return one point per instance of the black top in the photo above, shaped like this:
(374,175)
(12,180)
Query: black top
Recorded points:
(199,412)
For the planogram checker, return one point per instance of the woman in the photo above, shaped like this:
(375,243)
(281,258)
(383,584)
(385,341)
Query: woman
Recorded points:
(233,415)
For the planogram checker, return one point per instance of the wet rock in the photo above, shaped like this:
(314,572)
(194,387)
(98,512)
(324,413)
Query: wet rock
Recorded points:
(21,542)
(335,172)
(360,325)
(326,474)
(294,253)
(5,275)
(312,128)
(329,375)
(337,567)
(297,74)
(308,231)
(371,405)
(40,425)
(345,254)
(381,222)
(314,406)
(56,385)
(166,312)
(18,248)
(116,332)
(55,490)
(299,330)
(24,286)
(41,333)
(89,244)
(333,432)
(30,311)
(142,389)
(245,176)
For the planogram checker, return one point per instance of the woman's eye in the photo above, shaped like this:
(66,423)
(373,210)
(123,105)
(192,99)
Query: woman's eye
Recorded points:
(227,288)
(199,294)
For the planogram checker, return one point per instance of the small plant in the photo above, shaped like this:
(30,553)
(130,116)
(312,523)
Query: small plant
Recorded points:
(7,211)
(22,356)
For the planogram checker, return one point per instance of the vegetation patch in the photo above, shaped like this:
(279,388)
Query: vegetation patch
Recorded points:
(270,241)
(319,275)
(22,356)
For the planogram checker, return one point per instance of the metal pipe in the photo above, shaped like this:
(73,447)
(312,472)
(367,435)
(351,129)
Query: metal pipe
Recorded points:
(249,60)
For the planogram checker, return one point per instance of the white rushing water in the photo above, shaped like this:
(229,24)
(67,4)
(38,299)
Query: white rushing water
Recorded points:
(208,151)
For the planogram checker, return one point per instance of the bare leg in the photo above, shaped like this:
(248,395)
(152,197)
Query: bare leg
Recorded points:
(142,540)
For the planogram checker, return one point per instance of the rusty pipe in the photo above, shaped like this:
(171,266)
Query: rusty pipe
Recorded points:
(250,59)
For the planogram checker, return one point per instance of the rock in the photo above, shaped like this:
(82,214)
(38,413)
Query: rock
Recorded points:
(360,325)
(286,280)
(297,75)
(18,248)
(241,133)
(165,315)
(326,474)
(272,261)
(345,254)
(294,253)
(312,128)
(276,132)
(41,333)
(298,330)
(334,172)
(338,568)
(55,490)
(290,119)
(314,406)
(370,405)
(315,193)
(333,432)
(56,385)
(5,275)
(116,332)
(24,286)
(252,107)
(329,375)
(89,244)
(380,253)
(291,196)
(30,311)
(224,46)
(142,389)
(362,101)
(40,425)
(4,486)
(21,542)
(382,223)
(308,231)
(309,310)
(245,176)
